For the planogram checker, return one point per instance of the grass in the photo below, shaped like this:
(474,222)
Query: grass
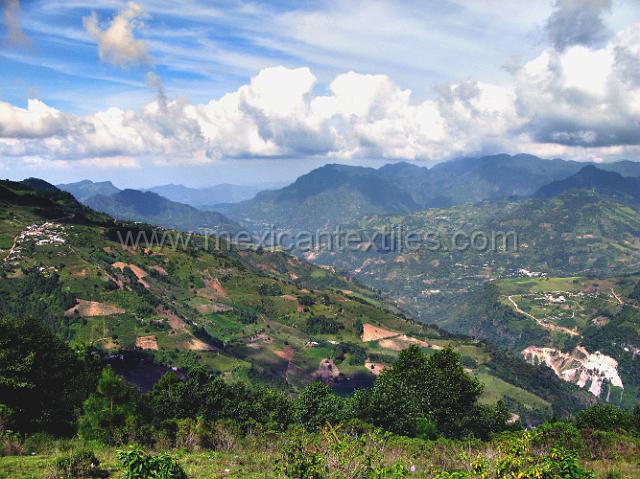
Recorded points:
(253,457)
(496,389)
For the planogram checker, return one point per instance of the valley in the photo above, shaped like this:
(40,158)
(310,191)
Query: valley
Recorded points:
(260,316)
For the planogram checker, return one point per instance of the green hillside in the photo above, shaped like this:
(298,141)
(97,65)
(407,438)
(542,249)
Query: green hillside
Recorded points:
(255,315)
(571,237)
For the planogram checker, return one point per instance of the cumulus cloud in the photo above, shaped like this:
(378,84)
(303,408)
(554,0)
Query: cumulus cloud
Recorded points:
(13,21)
(583,97)
(577,22)
(36,121)
(581,102)
(116,43)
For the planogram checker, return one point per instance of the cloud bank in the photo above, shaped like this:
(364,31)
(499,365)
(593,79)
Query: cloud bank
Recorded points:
(574,100)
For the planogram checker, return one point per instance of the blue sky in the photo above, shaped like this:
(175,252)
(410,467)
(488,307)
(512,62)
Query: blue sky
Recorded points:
(431,80)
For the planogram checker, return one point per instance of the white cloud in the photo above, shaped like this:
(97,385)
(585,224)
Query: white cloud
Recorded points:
(116,43)
(582,103)
(36,121)
(582,97)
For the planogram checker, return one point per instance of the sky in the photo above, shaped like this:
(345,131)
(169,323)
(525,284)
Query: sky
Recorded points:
(205,92)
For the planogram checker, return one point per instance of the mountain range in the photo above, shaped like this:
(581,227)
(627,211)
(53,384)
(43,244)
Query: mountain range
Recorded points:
(148,207)
(253,315)
(563,296)
(335,194)
(211,195)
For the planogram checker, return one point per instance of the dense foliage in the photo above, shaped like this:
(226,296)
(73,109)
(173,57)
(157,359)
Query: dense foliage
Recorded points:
(42,381)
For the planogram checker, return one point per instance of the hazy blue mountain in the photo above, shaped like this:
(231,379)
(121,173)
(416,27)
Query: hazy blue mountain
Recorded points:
(329,195)
(86,188)
(149,207)
(607,183)
(224,193)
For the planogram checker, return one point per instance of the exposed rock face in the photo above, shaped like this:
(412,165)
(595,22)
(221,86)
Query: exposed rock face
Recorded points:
(579,367)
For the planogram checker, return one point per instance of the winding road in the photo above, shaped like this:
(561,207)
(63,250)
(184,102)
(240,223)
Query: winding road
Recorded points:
(541,322)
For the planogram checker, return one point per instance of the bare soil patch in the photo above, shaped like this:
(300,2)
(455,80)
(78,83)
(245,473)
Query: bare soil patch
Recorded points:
(373,333)
(327,371)
(213,289)
(196,344)
(213,308)
(92,308)
(293,299)
(137,270)
(175,322)
(288,354)
(160,270)
(258,340)
(147,342)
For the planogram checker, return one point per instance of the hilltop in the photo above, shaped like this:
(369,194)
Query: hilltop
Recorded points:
(607,183)
(85,189)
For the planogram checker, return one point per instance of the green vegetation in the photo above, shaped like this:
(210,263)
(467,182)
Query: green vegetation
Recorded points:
(208,361)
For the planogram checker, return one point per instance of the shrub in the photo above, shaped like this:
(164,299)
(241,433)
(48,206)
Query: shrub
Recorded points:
(557,434)
(296,462)
(604,417)
(139,465)
(517,459)
(78,465)
(340,455)
(11,444)
(426,429)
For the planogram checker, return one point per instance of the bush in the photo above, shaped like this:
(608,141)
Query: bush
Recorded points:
(78,465)
(601,444)
(139,465)
(604,417)
(557,434)
(518,459)
(11,444)
(340,455)
(297,463)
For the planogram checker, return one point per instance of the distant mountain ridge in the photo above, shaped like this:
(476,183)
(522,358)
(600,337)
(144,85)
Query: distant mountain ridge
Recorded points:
(148,207)
(336,194)
(210,195)
(329,195)
(85,189)
(607,183)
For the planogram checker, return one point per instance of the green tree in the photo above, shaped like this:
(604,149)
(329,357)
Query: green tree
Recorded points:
(110,412)
(635,294)
(316,405)
(420,387)
(42,380)
(273,408)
